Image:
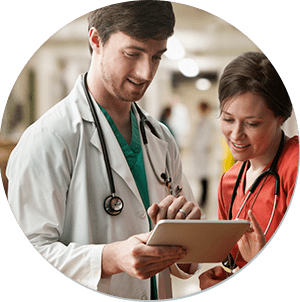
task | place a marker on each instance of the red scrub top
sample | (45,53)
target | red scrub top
(287,168)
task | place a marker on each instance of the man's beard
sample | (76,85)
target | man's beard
(113,85)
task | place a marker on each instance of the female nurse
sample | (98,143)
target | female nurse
(253,106)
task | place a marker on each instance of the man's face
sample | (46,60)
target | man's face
(128,66)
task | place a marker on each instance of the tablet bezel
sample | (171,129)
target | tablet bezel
(206,241)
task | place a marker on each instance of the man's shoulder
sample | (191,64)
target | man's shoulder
(60,125)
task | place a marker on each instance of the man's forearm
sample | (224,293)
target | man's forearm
(109,263)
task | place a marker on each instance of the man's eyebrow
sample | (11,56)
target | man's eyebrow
(162,51)
(144,50)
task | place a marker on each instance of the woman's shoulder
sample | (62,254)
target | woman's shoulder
(292,146)
(234,170)
(228,178)
(288,162)
(291,149)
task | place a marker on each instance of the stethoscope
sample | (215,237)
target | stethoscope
(271,171)
(113,204)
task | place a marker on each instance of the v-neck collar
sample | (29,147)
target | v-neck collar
(243,179)
(135,144)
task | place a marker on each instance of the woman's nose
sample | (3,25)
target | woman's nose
(237,132)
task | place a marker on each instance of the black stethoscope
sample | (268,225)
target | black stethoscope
(113,204)
(271,171)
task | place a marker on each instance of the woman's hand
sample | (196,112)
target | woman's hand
(252,241)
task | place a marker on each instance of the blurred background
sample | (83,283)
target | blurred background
(183,95)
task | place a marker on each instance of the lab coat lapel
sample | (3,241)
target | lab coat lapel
(116,156)
(117,159)
(156,154)
(86,113)
(155,158)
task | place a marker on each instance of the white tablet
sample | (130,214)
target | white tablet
(206,241)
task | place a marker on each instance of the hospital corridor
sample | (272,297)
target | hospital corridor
(183,96)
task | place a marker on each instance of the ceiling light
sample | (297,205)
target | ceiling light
(175,50)
(188,67)
(203,84)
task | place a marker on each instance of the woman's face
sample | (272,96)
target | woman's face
(250,128)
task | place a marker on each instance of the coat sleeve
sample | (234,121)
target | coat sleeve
(39,173)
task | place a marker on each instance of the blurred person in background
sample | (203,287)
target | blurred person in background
(203,143)
(165,117)
(180,122)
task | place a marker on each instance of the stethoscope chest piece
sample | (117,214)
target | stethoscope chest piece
(113,205)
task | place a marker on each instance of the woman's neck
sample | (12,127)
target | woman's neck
(260,162)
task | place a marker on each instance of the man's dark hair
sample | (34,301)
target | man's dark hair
(142,20)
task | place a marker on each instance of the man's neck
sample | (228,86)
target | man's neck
(117,109)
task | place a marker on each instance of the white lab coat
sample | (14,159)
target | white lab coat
(58,183)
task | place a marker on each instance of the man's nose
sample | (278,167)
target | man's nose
(145,69)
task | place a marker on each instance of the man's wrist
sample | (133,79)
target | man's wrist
(109,262)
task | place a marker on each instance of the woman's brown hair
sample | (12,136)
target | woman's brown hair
(253,72)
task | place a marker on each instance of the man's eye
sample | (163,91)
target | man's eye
(157,58)
(131,54)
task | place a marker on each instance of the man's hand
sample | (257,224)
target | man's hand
(212,277)
(137,259)
(174,208)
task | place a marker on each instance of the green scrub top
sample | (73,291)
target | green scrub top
(134,156)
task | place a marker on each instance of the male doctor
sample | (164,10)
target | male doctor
(57,175)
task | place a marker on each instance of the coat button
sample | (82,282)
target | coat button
(142,214)
(144,297)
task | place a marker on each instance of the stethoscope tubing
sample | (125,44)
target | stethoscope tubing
(101,137)
(270,171)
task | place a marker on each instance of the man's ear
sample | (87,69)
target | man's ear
(94,39)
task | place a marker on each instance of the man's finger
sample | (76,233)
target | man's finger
(163,207)
(152,212)
(163,252)
(174,207)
